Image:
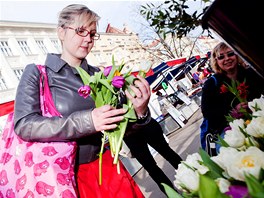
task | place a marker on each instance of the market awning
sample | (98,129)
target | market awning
(6,108)
(162,67)
(177,72)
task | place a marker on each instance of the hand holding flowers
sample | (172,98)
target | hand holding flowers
(110,90)
(240,92)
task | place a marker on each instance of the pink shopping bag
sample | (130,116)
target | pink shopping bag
(36,169)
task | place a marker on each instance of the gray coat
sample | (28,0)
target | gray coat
(76,123)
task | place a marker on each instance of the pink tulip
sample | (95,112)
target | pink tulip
(84,91)
(107,70)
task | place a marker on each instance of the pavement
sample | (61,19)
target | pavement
(184,141)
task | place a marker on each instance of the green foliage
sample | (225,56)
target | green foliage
(208,188)
(215,170)
(170,192)
(172,17)
(255,186)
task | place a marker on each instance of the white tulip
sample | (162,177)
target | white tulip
(234,137)
(256,127)
(223,184)
(238,163)
(224,157)
(193,160)
(186,178)
(259,102)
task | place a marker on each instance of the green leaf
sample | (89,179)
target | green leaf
(142,73)
(120,136)
(130,79)
(255,188)
(99,101)
(130,114)
(221,141)
(113,70)
(170,192)
(215,170)
(84,75)
(107,85)
(96,77)
(208,188)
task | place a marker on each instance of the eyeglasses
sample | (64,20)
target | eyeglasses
(228,54)
(83,32)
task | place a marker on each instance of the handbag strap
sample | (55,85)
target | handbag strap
(215,80)
(46,102)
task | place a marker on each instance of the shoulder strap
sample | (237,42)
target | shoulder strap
(47,104)
(214,79)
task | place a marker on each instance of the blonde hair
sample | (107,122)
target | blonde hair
(215,52)
(70,13)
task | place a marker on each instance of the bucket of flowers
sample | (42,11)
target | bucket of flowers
(238,169)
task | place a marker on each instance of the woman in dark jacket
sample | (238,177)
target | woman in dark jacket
(217,104)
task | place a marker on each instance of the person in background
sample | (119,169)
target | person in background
(152,134)
(195,76)
(162,102)
(80,121)
(160,97)
(215,104)
(181,89)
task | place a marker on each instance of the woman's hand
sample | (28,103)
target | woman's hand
(106,117)
(141,97)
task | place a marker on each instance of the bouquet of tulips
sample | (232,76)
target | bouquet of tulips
(107,87)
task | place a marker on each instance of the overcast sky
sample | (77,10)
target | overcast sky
(117,13)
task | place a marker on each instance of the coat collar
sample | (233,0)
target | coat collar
(55,63)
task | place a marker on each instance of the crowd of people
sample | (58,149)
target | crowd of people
(83,122)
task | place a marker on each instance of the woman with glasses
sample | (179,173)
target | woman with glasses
(80,121)
(216,104)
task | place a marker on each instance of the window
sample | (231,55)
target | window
(18,73)
(2,83)
(5,49)
(42,46)
(25,48)
(57,45)
(99,57)
(110,41)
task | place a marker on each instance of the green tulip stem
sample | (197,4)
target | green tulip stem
(101,159)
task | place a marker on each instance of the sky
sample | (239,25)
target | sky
(117,13)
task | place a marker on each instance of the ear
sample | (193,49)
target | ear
(61,33)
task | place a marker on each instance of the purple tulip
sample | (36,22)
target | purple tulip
(118,81)
(237,191)
(227,128)
(107,70)
(84,91)
(236,114)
